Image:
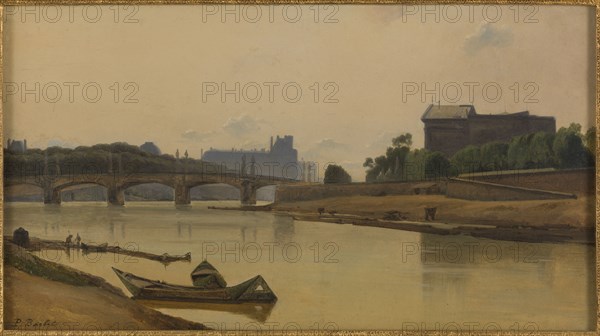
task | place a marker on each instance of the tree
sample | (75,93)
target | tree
(540,150)
(403,140)
(590,144)
(494,156)
(436,166)
(569,149)
(519,153)
(336,174)
(414,166)
(467,160)
(389,167)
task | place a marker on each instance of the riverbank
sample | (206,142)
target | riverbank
(42,295)
(570,220)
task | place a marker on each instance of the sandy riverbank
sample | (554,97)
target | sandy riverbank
(571,220)
(41,295)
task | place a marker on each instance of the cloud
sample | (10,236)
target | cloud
(488,35)
(381,142)
(242,125)
(330,144)
(327,149)
(194,135)
(252,144)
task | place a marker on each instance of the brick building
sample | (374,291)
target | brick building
(449,128)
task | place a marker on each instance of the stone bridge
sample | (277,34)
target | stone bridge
(116,183)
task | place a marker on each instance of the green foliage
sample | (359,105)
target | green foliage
(100,158)
(590,144)
(391,166)
(436,166)
(336,174)
(531,151)
(541,150)
(569,149)
(400,163)
(414,165)
(494,156)
(467,159)
(404,140)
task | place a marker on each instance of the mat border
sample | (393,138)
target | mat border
(594,3)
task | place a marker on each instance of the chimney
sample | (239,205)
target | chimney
(25,145)
(271,148)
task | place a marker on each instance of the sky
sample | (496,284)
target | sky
(343,80)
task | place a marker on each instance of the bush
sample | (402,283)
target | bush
(336,174)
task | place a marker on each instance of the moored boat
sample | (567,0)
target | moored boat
(206,275)
(252,290)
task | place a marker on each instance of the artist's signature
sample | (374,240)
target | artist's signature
(29,324)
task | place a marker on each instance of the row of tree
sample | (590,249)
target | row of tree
(117,157)
(401,163)
(567,148)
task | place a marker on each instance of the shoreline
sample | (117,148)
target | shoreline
(538,221)
(79,301)
(528,234)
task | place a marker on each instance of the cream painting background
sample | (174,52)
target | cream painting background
(370,53)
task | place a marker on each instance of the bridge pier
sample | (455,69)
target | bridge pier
(116,196)
(248,193)
(182,194)
(51,195)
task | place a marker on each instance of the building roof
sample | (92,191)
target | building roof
(436,111)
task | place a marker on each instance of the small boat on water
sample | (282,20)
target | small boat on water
(209,286)
(165,257)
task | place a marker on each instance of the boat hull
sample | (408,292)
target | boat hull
(252,290)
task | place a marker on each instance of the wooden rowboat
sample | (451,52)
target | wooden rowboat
(252,290)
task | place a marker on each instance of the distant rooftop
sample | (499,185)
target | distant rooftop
(436,111)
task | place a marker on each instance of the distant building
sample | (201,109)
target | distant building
(17,146)
(449,128)
(281,160)
(150,147)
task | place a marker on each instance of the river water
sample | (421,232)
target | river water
(330,276)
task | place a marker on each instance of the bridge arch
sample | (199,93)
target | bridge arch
(117,183)
(141,191)
(70,184)
(19,192)
(72,192)
(214,191)
(9,183)
(266,192)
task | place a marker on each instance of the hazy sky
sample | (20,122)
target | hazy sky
(371,63)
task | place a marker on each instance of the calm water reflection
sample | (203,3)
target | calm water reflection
(332,276)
